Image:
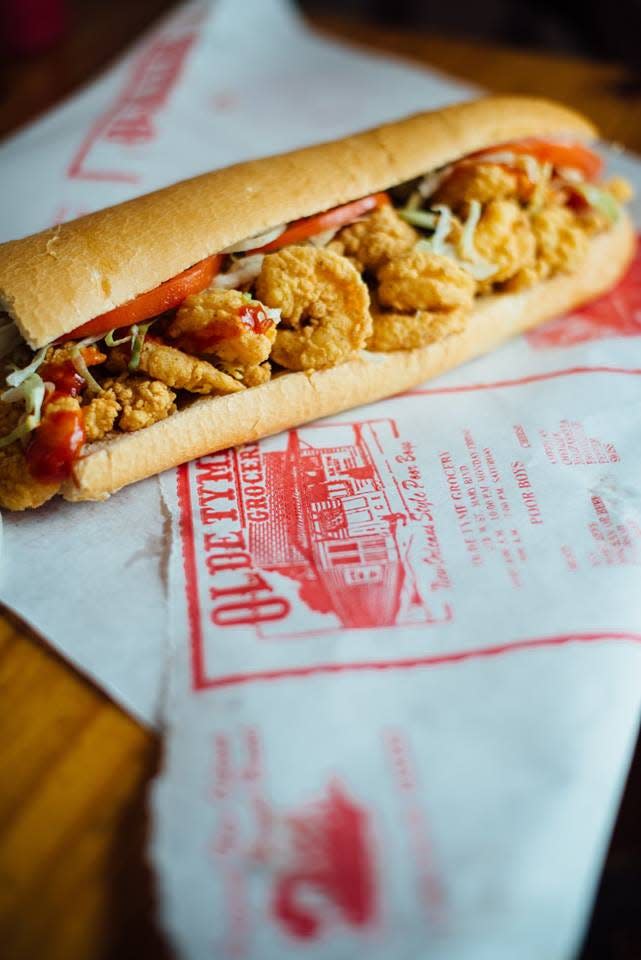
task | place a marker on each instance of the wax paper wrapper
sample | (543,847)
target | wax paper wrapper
(210,85)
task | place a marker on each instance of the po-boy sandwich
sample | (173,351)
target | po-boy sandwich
(255,298)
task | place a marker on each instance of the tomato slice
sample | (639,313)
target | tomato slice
(168,295)
(328,220)
(559,154)
(172,293)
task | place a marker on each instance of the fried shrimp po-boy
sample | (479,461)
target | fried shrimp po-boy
(256,298)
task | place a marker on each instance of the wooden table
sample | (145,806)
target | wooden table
(74,769)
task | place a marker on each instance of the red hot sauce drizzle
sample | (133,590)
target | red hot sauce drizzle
(66,380)
(253,317)
(57,443)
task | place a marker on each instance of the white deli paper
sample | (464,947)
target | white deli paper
(207,87)
(407,661)
(404,672)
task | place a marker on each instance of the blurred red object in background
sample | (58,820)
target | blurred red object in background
(31,26)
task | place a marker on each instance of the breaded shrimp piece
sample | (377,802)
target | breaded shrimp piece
(176,369)
(324,305)
(254,376)
(561,245)
(504,239)
(100,415)
(429,297)
(251,376)
(420,280)
(407,331)
(476,181)
(226,324)
(379,237)
(63,354)
(18,489)
(141,401)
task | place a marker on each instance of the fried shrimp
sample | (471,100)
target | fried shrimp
(68,351)
(140,402)
(420,280)
(324,305)
(225,324)
(18,489)
(100,415)
(177,369)
(477,181)
(429,297)
(251,376)
(504,239)
(407,331)
(560,245)
(370,242)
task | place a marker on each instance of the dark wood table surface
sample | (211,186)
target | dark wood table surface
(74,769)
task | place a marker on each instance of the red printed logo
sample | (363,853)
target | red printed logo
(617,314)
(130,120)
(331,868)
(335,531)
(332,509)
(320,530)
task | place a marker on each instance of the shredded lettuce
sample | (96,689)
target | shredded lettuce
(80,366)
(32,392)
(414,202)
(480,271)
(19,376)
(499,156)
(571,174)
(273,314)
(258,241)
(418,218)
(430,183)
(601,200)
(245,271)
(467,248)
(532,167)
(323,238)
(443,228)
(139,332)
(111,342)
(470,260)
